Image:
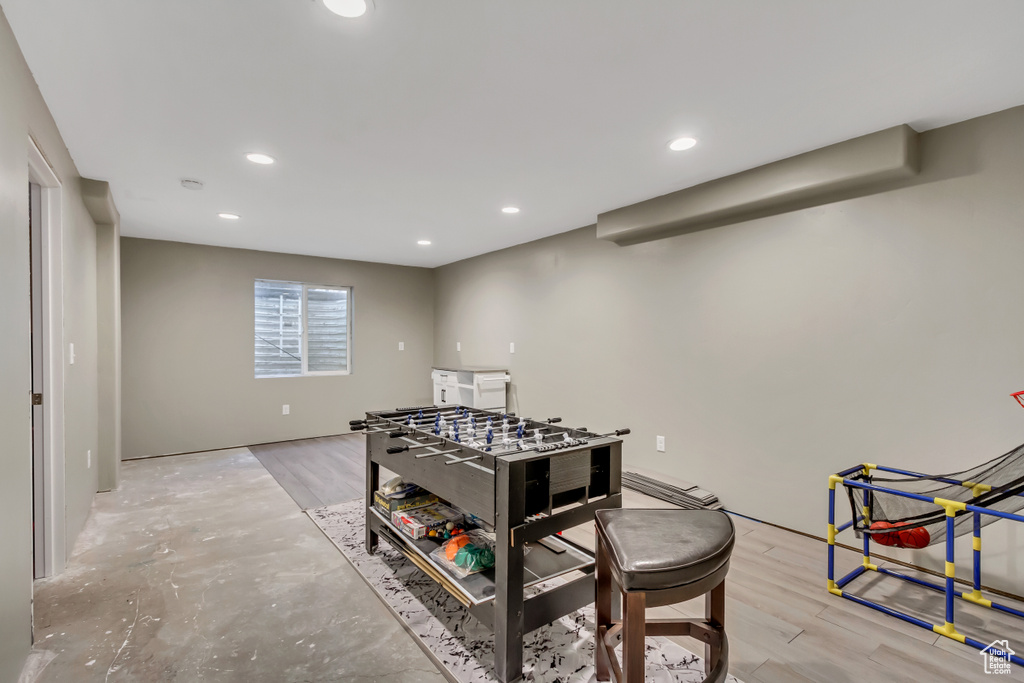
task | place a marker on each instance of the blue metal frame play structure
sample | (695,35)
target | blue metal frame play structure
(953,509)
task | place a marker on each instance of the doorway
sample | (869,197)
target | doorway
(47,350)
(35,250)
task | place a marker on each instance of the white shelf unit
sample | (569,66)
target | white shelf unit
(483,389)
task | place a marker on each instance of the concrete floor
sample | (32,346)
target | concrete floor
(202,568)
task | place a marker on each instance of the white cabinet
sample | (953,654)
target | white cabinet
(475,388)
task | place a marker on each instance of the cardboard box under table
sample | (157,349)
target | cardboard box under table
(419,522)
(388,505)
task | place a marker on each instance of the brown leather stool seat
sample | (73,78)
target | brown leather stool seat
(661,557)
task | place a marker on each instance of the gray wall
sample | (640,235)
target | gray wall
(108,289)
(771,353)
(23,113)
(187,326)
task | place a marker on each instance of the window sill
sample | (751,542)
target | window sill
(343,373)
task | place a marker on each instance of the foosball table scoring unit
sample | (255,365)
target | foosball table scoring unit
(532,480)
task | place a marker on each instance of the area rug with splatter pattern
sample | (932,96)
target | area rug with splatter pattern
(561,652)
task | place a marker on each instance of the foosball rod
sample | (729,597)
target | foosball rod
(504,435)
(400,449)
(449,411)
(420,424)
(481,423)
(377,424)
(376,419)
(481,414)
(427,421)
(585,440)
(474,438)
(370,427)
(569,430)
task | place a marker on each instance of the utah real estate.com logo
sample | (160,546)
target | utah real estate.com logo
(997,657)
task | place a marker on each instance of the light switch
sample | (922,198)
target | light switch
(286,409)
(88,459)
(71,353)
(661,444)
(458,346)
(511,347)
(401,346)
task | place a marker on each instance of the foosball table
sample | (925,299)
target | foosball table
(529,479)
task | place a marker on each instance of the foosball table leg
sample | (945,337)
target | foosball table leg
(372,484)
(510,480)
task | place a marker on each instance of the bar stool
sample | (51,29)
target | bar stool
(661,557)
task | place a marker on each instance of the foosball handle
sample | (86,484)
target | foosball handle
(554,420)
(622,432)
(397,449)
(353,423)
(357,427)
(396,434)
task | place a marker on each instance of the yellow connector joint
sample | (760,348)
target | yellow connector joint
(950,570)
(833,480)
(975,597)
(949,631)
(869,565)
(836,591)
(952,506)
(868,467)
(831,534)
(977,543)
(976,488)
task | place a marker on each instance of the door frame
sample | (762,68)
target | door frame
(52,247)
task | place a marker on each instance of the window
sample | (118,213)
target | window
(301,329)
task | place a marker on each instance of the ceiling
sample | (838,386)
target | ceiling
(422,119)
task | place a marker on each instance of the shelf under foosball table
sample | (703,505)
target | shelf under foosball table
(540,563)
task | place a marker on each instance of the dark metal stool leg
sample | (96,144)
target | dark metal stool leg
(603,601)
(633,647)
(714,612)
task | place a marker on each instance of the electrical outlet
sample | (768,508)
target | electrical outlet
(401,346)
(88,459)
(511,347)
(458,346)
(286,409)
(661,444)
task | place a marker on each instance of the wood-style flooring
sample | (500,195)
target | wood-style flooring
(783,626)
(317,472)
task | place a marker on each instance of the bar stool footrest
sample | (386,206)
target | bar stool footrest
(607,639)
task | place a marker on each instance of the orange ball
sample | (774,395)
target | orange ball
(884,539)
(915,537)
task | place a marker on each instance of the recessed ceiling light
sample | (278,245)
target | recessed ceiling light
(229,216)
(679,144)
(424,243)
(258,158)
(347,8)
(510,209)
